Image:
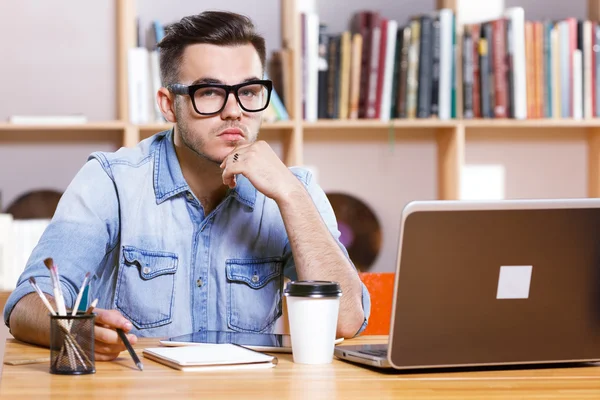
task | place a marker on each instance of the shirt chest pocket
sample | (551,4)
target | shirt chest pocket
(254,293)
(145,287)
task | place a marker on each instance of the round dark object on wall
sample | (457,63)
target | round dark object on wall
(359,227)
(35,204)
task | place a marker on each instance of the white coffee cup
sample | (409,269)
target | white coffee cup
(313,308)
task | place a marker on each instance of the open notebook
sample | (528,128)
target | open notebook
(208,356)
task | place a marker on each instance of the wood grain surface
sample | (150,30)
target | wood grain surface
(121,379)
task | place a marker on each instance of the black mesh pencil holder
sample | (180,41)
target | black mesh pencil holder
(72,344)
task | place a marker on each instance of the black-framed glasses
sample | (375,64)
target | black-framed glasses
(210,98)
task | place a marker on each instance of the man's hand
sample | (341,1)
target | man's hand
(259,163)
(108,345)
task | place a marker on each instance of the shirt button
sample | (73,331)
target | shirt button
(146,270)
(255,278)
(199,282)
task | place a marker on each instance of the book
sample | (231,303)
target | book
(208,356)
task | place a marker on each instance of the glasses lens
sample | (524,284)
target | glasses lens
(254,96)
(209,99)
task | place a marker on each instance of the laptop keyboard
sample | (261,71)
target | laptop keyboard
(376,353)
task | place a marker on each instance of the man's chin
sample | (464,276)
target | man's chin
(234,142)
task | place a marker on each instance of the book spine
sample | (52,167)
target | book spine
(383,38)
(413,70)
(323,71)
(355,71)
(489,34)
(388,71)
(484,80)
(361,25)
(374,66)
(425,67)
(446,57)
(435,67)
(516,15)
(548,70)
(331,75)
(395,88)
(510,63)
(577,85)
(530,69)
(476,71)
(555,48)
(539,69)
(565,70)
(344,75)
(499,60)
(403,80)
(587,70)
(467,58)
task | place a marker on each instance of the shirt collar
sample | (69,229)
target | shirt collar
(169,180)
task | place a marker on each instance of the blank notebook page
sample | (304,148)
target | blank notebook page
(209,354)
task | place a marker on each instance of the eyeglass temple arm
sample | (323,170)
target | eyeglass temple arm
(178,88)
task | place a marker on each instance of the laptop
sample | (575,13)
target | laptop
(481,283)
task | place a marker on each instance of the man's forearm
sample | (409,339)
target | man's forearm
(29,320)
(318,257)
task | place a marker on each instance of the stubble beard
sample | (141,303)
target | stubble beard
(196,143)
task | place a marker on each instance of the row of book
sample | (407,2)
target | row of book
(510,68)
(378,69)
(143,76)
(515,68)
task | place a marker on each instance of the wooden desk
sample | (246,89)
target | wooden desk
(120,379)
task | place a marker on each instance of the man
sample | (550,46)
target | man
(194,228)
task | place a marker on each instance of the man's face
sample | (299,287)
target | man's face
(214,137)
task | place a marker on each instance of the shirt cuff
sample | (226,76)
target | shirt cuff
(366,304)
(24,288)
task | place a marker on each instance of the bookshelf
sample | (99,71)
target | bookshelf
(450,136)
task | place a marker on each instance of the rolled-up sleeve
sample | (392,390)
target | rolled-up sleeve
(83,228)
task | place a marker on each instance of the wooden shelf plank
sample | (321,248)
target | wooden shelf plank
(334,124)
(154,127)
(91,126)
(377,124)
(277,125)
(531,123)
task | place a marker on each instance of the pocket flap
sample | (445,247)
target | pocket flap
(254,272)
(150,263)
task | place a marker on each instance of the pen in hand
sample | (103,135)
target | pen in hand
(132,353)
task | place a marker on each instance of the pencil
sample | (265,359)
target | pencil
(136,360)
(80,294)
(91,307)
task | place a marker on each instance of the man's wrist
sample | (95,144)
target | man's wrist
(291,195)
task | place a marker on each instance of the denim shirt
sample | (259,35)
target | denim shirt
(130,219)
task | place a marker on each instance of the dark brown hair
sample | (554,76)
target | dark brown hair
(212,27)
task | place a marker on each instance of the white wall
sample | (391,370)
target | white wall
(59,57)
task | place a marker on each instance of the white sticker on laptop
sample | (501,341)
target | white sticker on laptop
(514,282)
